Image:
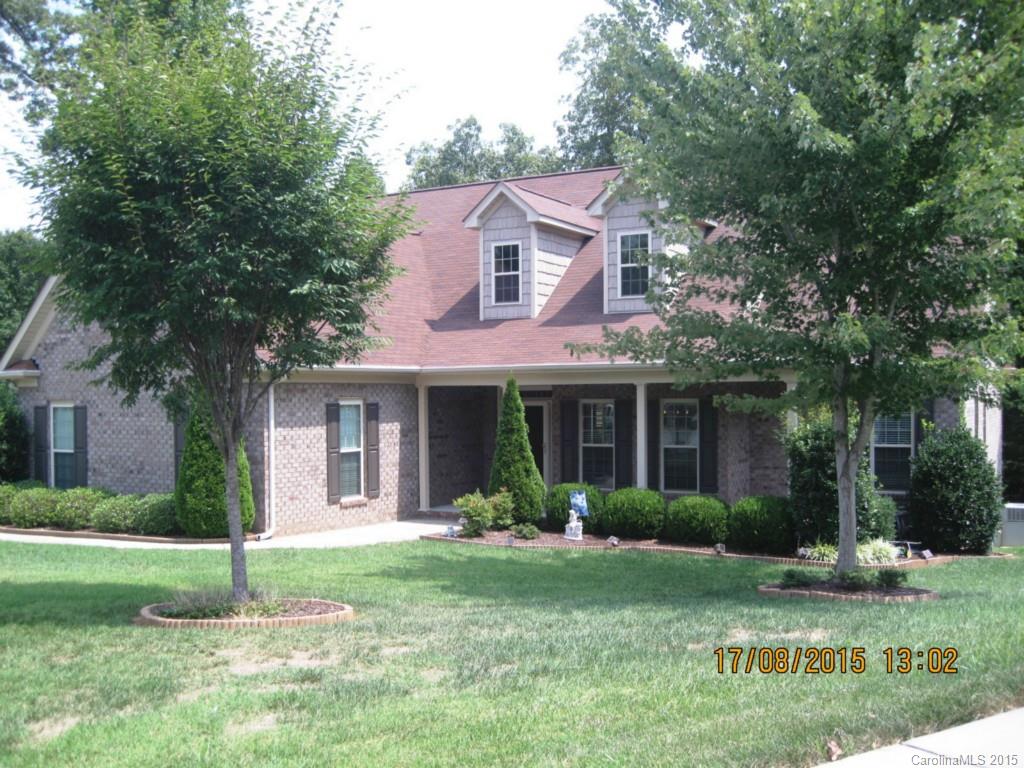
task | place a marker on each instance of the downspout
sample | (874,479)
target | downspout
(271,514)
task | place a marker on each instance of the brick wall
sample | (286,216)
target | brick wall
(300,494)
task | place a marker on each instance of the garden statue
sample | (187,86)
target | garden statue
(574,530)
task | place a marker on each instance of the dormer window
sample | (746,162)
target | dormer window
(507,271)
(634,276)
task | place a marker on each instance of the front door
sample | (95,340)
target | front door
(537,429)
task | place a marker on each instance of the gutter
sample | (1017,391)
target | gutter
(271,511)
(15,375)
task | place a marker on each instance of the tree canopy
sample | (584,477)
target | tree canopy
(21,253)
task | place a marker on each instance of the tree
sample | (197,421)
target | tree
(513,467)
(869,153)
(13,437)
(20,254)
(465,157)
(36,43)
(212,211)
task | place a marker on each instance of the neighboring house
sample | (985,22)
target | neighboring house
(497,278)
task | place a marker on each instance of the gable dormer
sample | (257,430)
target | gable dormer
(527,241)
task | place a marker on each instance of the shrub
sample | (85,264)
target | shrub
(955,495)
(199,497)
(556,507)
(75,506)
(7,494)
(117,514)
(697,519)
(525,531)
(795,578)
(822,552)
(33,508)
(634,512)
(762,524)
(891,578)
(876,552)
(513,467)
(857,580)
(477,511)
(814,498)
(156,515)
(13,436)
(24,485)
(502,509)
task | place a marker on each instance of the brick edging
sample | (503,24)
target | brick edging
(772,590)
(63,534)
(149,617)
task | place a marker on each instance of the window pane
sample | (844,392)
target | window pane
(598,423)
(63,470)
(506,258)
(893,430)
(633,248)
(892,466)
(351,429)
(351,477)
(599,466)
(679,424)
(681,469)
(634,281)
(64,429)
(506,289)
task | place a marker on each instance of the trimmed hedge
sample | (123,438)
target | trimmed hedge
(762,524)
(74,508)
(955,495)
(117,514)
(156,515)
(637,513)
(7,494)
(513,468)
(697,520)
(556,507)
(34,508)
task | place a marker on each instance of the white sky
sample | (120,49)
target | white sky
(434,61)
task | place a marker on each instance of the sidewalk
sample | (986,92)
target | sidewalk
(996,740)
(357,536)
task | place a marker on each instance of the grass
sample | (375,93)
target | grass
(471,656)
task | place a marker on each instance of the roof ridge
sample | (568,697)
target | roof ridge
(507,179)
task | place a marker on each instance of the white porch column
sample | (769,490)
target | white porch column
(423,434)
(641,435)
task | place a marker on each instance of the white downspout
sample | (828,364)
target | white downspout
(271,513)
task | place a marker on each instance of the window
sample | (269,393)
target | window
(892,446)
(597,443)
(62,446)
(507,274)
(680,441)
(633,276)
(350,450)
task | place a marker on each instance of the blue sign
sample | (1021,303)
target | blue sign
(578,501)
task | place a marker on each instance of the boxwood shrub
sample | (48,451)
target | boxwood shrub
(762,524)
(34,508)
(117,514)
(7,494)
(156,515)
(74,507)
(556,507)
(697,520)
(637,513)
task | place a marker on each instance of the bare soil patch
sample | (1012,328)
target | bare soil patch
(52,727)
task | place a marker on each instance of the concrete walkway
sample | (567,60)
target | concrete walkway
(996,740)
(357,536)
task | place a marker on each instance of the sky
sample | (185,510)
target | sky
(432,63)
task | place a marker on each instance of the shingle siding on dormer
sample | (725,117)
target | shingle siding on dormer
(555,252)
(626,216)
(507,224)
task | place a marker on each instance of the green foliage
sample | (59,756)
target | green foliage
(857,580)
(875,552)
(74,507)
(800,578)
(200,496)
(525,531)
(637,513)
(762,524)
(697,520)
(823,552)
(502,509)
(20,253)
(477,512)
(7,494)
(156,515)
(955,494)
(13,436)
(513,467)
(23,485)
(34,508)
(556,507)
(814,496)
(891,578)
(466,157)
(117,514)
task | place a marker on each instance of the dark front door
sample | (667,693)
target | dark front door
(535,428)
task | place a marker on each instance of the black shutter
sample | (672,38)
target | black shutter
(708,459)
(570,427)
(927,413)
(41,443)
(624,443)
(654,444)
(180,425)
(81,447)
(333,453)
(372,450)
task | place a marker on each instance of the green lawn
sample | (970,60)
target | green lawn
(475,656)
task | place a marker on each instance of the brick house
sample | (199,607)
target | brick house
(497,277)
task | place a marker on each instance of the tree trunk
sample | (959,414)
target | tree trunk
(848,458)
(239,574)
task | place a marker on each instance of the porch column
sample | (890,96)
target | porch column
(423,435)
(641,435)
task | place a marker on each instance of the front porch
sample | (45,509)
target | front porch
(611,434)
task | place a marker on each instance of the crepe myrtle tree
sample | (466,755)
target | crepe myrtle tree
(868,156)
(212,211)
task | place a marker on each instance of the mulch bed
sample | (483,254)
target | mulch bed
(827,591)
(296,613)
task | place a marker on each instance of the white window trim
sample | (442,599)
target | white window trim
(361,450)
(51,477)
(911,446)
(618,259)
(597,401)
(662,446)
(494,274)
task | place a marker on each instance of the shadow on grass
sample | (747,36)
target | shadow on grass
(74,603)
